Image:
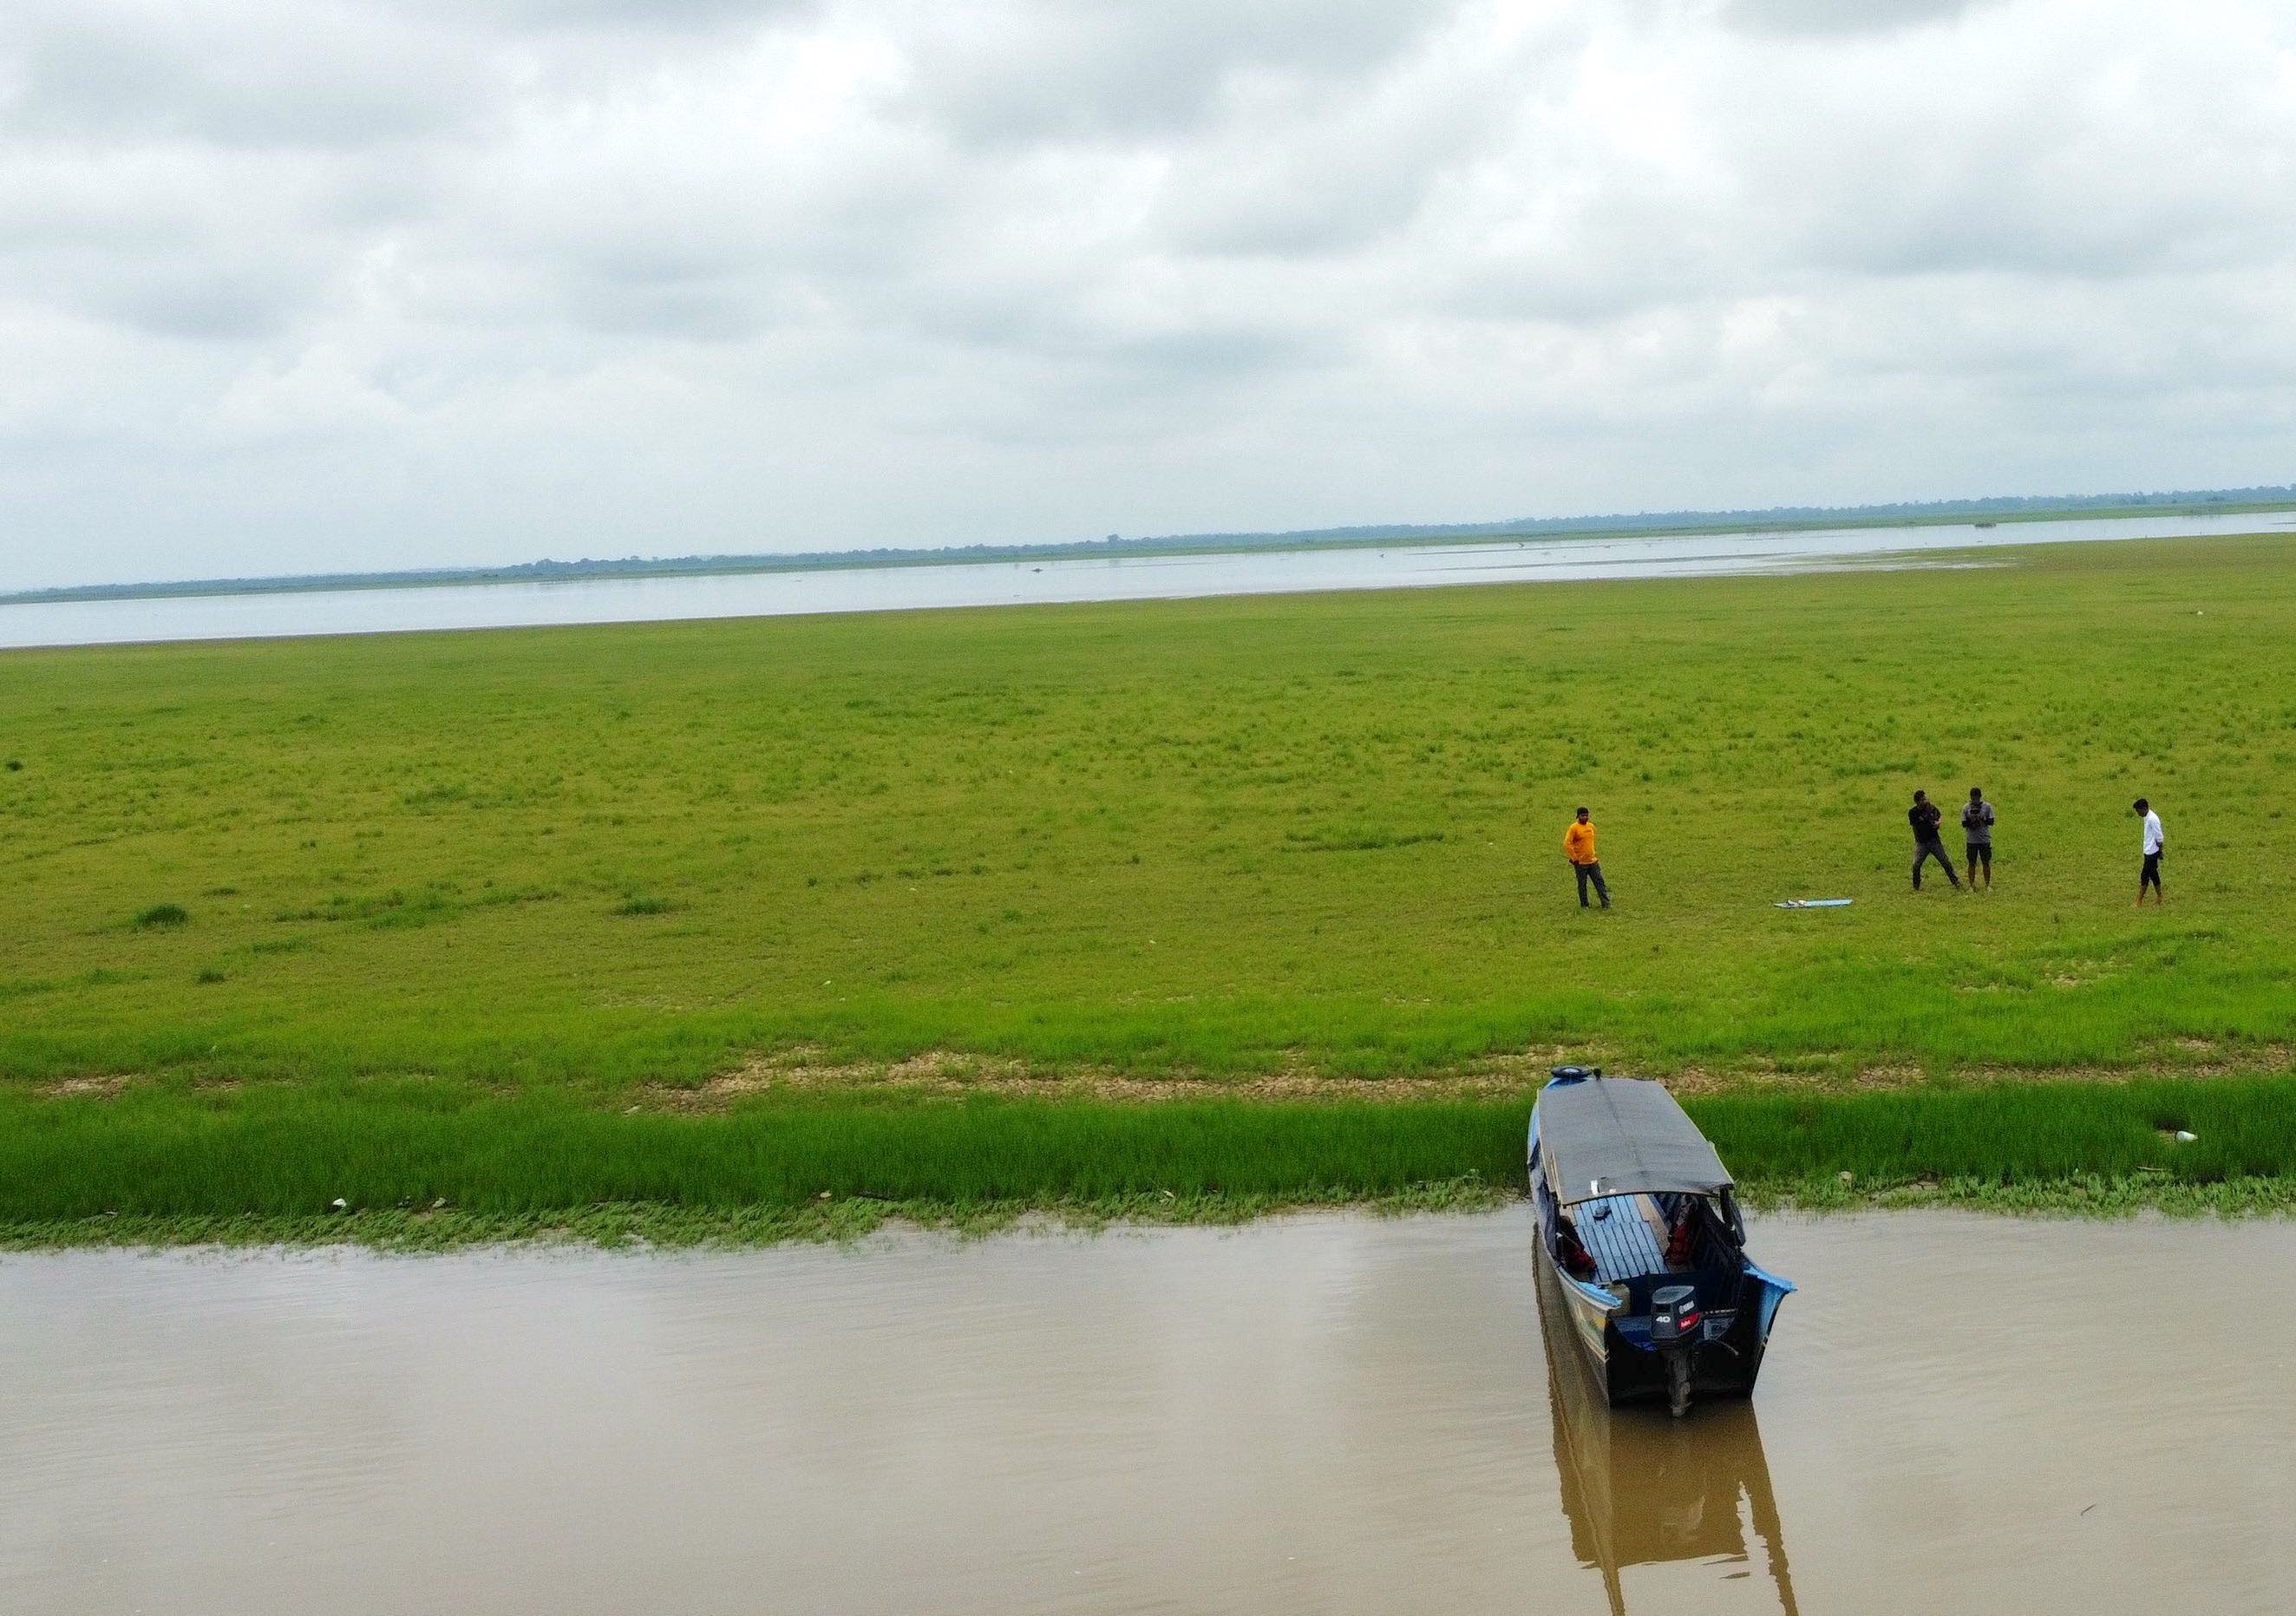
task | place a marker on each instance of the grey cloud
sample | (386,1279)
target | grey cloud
(206,303)
(1824,17)
(2051,163)
(234,74)
(640,16)
(1015,71)
(1354,170)
(166,244)
(696,308)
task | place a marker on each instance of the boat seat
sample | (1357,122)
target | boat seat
(1624,1244)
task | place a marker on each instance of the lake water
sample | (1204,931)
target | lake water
(1026,583)
(1326,1414)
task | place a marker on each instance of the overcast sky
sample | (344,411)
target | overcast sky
(289,285)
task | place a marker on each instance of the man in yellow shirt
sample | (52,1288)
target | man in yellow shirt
(1578,848)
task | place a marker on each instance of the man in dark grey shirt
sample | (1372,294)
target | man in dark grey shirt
(1977,834)
(1925,816)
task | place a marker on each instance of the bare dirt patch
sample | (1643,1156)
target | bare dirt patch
(102,1088)
(951,1075)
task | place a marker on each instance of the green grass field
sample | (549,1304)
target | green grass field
(580,869)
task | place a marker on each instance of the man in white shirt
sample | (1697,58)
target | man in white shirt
(2155,839)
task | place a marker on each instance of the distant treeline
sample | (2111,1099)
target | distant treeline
(2012,507)
(2002,508)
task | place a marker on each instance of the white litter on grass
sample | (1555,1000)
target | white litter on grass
(2185,1138)
(1816,903)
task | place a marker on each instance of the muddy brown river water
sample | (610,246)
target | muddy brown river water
(1328,1413)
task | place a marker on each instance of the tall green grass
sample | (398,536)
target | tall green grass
(2011,1133)
(295,1149)
(291,1151)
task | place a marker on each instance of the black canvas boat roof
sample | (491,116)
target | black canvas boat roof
(1623,1136)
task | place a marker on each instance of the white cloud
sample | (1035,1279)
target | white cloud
(355,283)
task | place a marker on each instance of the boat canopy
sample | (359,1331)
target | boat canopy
(1623,1136)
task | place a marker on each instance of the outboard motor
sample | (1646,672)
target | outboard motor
(1675,1330)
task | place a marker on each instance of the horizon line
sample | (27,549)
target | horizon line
(1937,512)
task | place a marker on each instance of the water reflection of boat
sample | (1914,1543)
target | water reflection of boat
(1640,1231)
(1639,1489)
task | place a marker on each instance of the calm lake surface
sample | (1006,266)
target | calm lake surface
(1024,583)
(1329,1413)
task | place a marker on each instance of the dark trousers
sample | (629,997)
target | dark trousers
(1594,873)
(2149,876)
(1924,851)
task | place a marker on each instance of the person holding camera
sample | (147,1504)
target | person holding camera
(1925,816)
(1976,836)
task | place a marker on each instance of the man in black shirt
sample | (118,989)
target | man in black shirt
(1925,818)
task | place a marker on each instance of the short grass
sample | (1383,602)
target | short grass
(411,918)
(1316,833)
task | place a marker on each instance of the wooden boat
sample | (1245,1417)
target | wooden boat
(1638,1225)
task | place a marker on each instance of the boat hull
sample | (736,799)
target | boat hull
(1725,1364)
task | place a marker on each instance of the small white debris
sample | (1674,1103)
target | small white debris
(2185,1138)
(1847,1177)
(340,1204)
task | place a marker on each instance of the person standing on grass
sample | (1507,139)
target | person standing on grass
(1977,833)
(2156,841)
(1578,848)
(1925,816)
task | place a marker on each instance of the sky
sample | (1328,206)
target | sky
(303,286)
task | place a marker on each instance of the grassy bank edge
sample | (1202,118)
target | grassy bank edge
(418,1166)
(659,1227)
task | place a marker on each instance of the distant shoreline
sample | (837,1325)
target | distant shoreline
(1977,512)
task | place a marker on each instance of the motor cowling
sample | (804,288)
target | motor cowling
(1675,1316)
